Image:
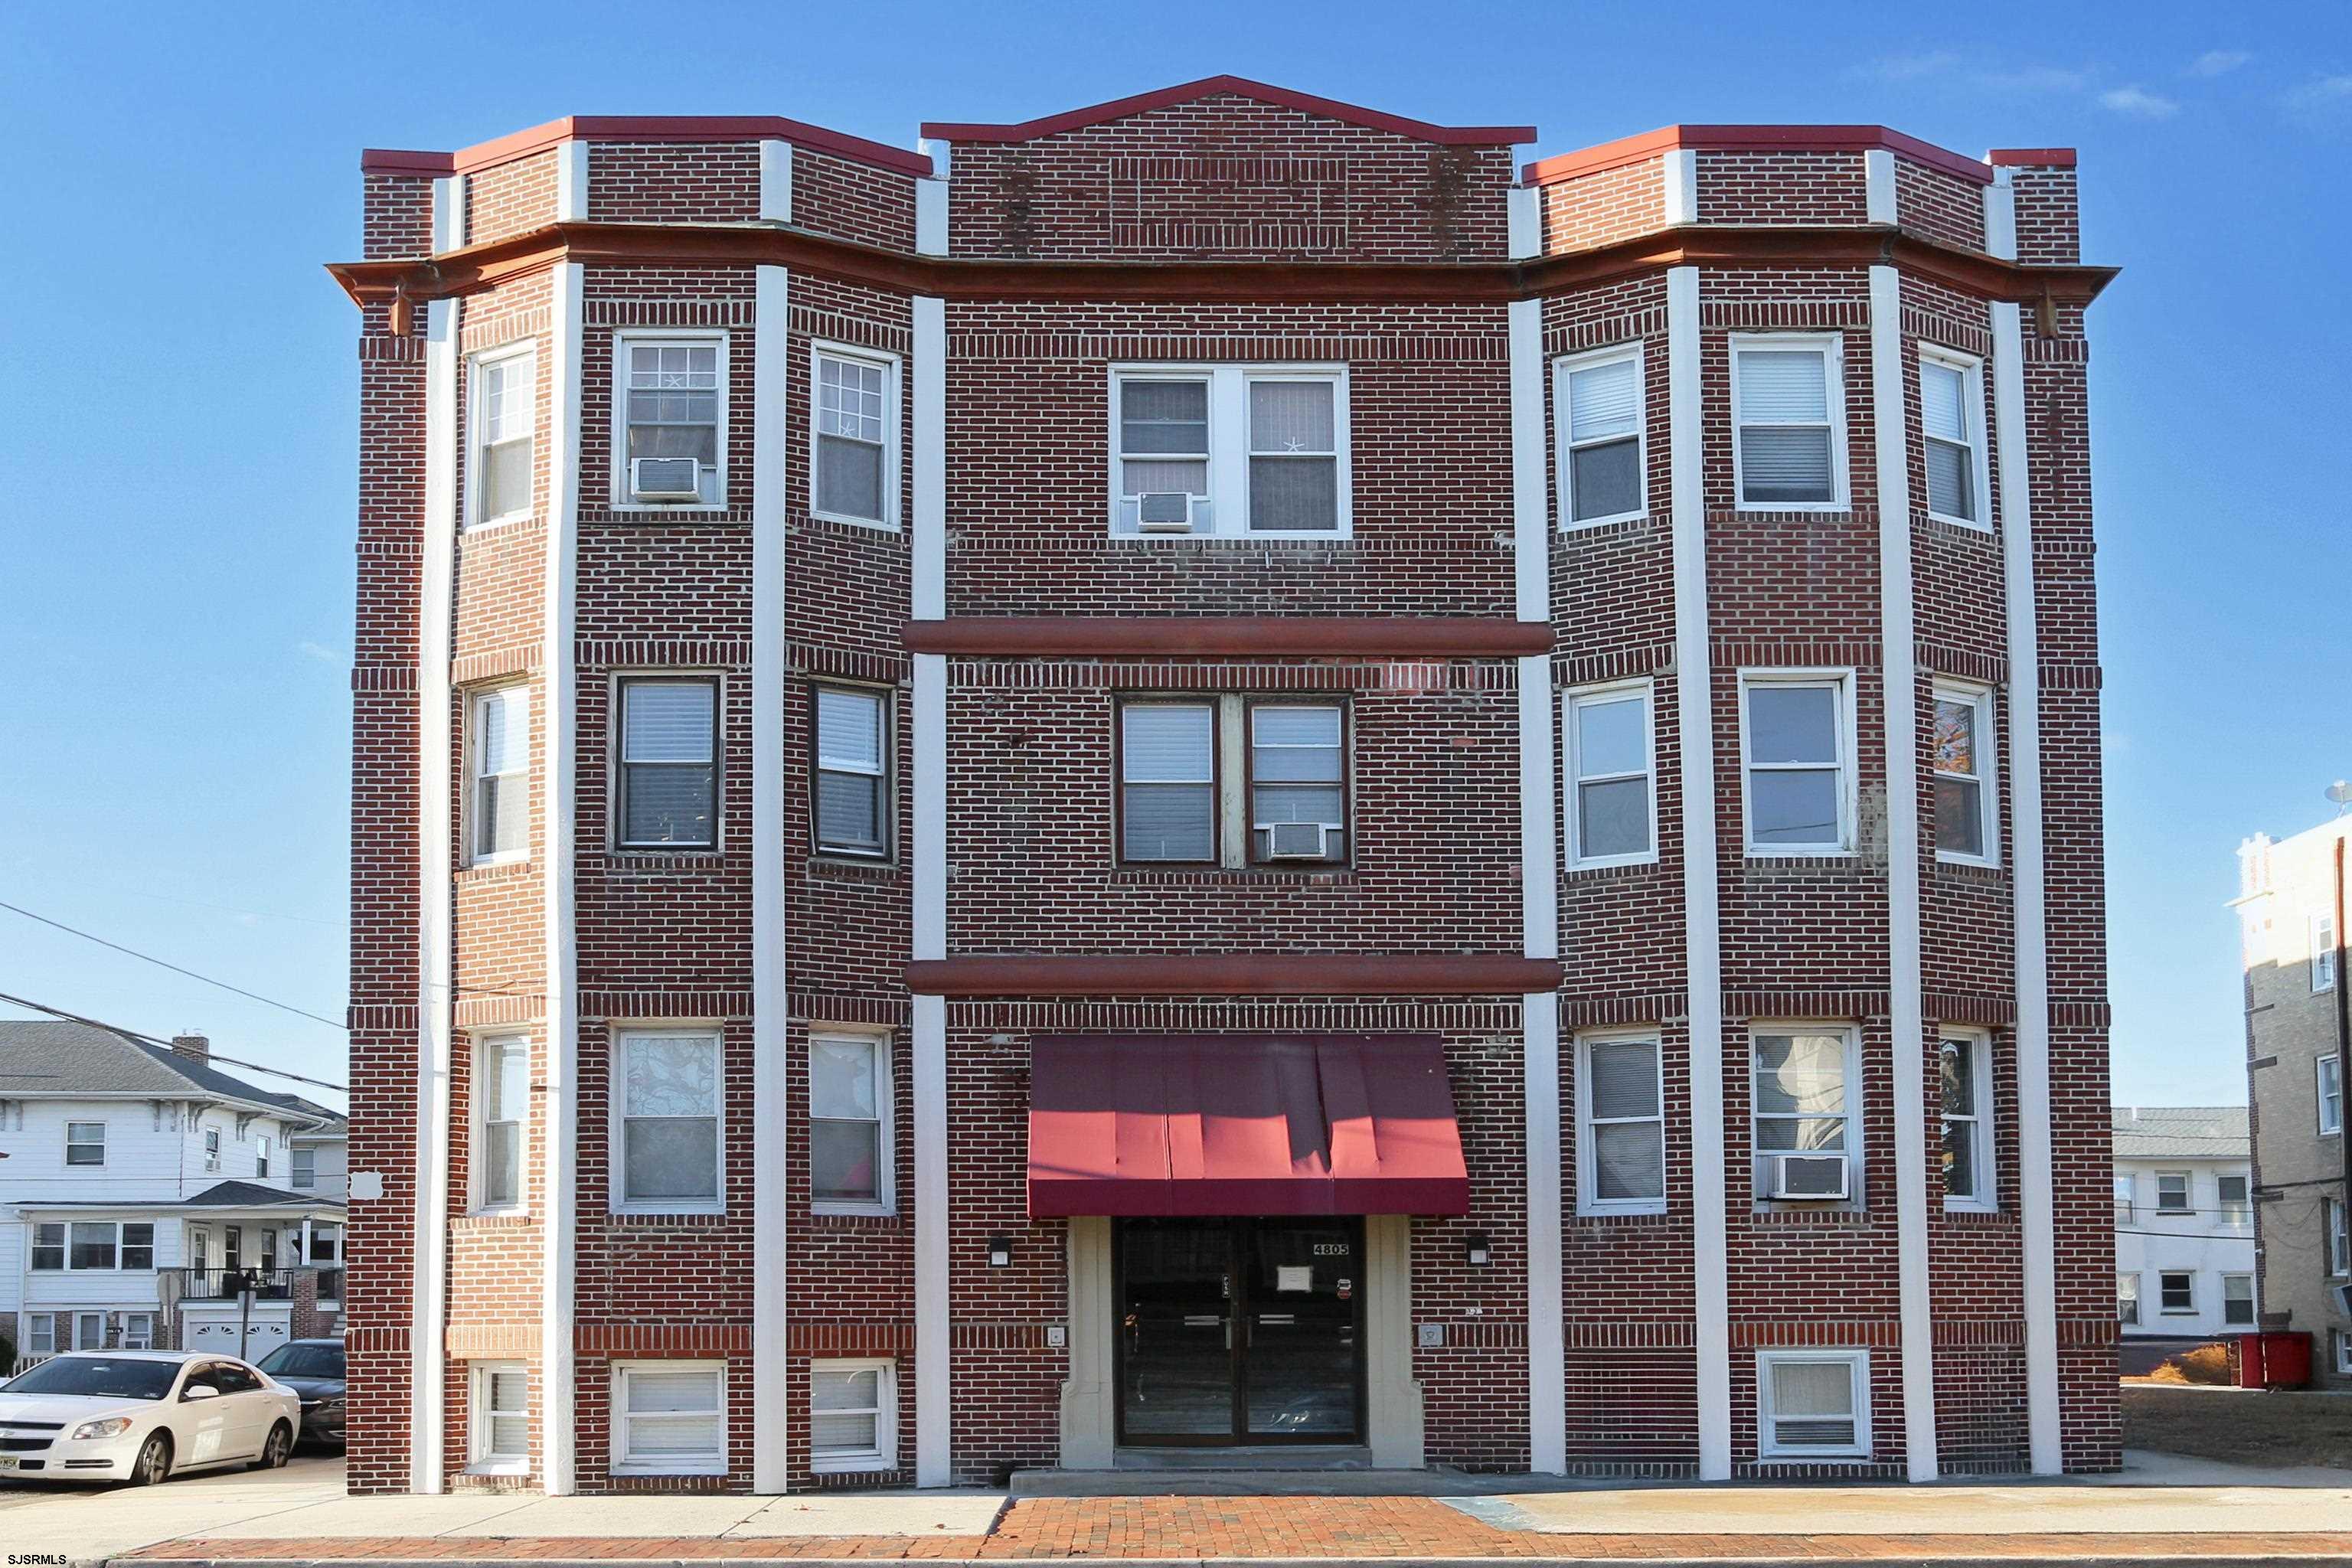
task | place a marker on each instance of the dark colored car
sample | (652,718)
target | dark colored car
(313,1369)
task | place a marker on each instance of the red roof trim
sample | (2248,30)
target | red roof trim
(1753,139)
(1282,96)
(646,128)
(2032,157)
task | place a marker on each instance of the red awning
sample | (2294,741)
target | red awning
(1242,1124)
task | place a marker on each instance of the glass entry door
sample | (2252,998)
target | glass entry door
(1241,1331)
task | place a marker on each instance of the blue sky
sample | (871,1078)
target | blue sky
(178,410)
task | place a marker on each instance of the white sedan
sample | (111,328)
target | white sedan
(140,1415)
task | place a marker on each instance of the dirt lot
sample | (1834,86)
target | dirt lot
(2244,1428)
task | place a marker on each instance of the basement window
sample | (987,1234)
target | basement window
(1812,1405)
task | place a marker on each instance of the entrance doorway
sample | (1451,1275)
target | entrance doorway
(1240,1331)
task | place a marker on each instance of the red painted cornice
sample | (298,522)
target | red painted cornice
(1756,139)
(1235,975)
(1281,96)
(645,128)
(1325,637)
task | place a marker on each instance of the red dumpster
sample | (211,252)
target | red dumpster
(2278,1359)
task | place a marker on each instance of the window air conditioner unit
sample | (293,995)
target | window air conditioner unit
(1170,511)
(1809,1176)
(666,479)
(1299,840)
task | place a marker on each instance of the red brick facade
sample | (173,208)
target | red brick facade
(1289,213)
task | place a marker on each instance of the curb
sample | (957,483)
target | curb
(1564,1560)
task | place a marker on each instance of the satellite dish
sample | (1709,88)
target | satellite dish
(2341,794)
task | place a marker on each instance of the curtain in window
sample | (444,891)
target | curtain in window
(1784,436)
(852,397)
(1812,1403)
(1801,1097)
(670,1141)
(1959,1087)
(673,401)
(506,1093)
(502,770)
(1294,456)
(508,1427)
(1629,1156)
(674,1414)
(669,780)
(1167,760)
(845,1406)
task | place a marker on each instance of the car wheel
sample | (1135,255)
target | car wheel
(154,1461)
(274,1452)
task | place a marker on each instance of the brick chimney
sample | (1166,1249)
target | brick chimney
(195,1046)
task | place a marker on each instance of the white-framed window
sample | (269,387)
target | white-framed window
(1812,1404)
(1805,1099)
(1951,420)
(1230,449)
(1297,782)
(89,1330)
(852,1414)
(2329,1087)
(2323,952)
(2340,1243)
(1967,1056)
(1968,817)
(200,1248)
(2176,1292)
(2127,1297)
(497,800)
(668,1150)
(665,784)
(2236,1203)
(1598,407)
(212,1148)
(85,1142)
(669,1418)
(138,1331)
(1611,796)
(1787,416)
(1797,745)
(40,1333)
(302,1168)
(504,422)
(669,409)
(2172,1192)
(1168,781)
(1621,1126)
(2343,1338)
(851,764)
(849,1124)
(93,1245)
(854,434)
(2127,1198)
(498,1403)
(261,1147)
(501,1107)
(2237,1300)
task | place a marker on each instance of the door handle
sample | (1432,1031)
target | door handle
(1277,1318)
(1202,1320)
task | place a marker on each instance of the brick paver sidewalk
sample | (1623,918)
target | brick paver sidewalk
(1259,1527)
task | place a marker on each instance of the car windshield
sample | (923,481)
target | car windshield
(113,1377)
(305,1361)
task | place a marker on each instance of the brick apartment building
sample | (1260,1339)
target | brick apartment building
(1213,771)
(2291,914)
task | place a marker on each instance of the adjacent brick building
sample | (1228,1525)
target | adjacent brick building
(1215,772)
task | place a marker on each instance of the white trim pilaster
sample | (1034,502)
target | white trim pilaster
(449,213)
(775,182)
(771,1020)
(2036,1203)
(1538,885)
(1898,662)
(1878,186)
(2001,216)
(436,834)
(572,182)
(1679,171)
(559,1431)
(1703,934)
(1523,221)
(933,1416)
(931,217)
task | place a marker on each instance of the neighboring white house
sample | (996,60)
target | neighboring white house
(141,1187)
(2184,1222)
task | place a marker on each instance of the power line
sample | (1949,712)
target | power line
(160,964)
(137,1039)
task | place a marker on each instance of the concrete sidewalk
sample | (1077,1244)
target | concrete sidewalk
(2299,1520)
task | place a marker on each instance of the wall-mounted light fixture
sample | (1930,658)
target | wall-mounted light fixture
(1475,1251)
(999,1252)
